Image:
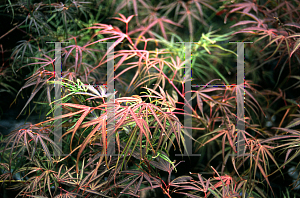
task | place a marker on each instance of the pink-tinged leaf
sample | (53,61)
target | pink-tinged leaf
(211,89)
(204,3)
(239,6)
(199,103)
(157,21)
(246,10)
(296,47)
(78,123)
(162,29)
(87,140)
(293,123)
(296,25)
(78,106)
(123,18)
(287,154)
(215,137)
(242,23)
(253,29)
(293,36)
(265,176)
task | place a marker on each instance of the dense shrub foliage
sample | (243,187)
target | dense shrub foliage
(146,42)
